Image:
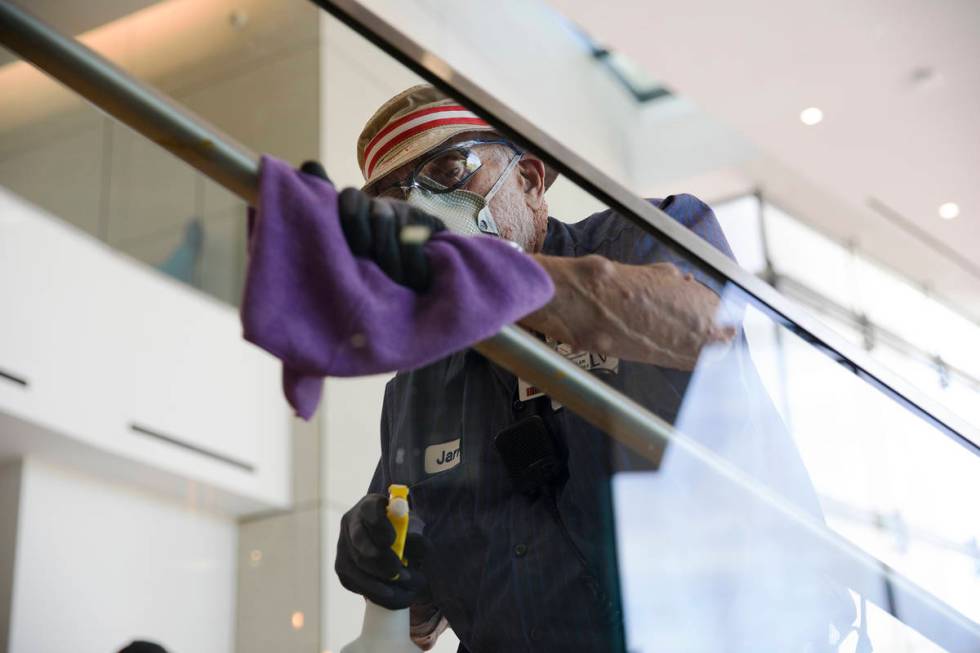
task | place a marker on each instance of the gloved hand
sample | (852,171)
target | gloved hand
(375,228)
(366,564)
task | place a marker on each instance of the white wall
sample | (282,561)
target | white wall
(99,564)
(350,418)
(97,328)
(105,344)
(9,506)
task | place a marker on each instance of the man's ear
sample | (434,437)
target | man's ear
(532,177)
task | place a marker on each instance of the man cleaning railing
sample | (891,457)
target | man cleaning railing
(512,544)
(529,456)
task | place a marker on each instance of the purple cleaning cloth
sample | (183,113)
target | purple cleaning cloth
(324,312)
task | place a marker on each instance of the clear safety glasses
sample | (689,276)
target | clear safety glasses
(445,169)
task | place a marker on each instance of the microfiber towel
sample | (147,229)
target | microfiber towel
(324,312)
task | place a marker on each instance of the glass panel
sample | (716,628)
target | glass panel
(740,220)
(961,396)
(809,258)
(895,304)
(252,71)
(721,543)
(954,337)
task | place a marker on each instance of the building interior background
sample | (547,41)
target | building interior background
(837,145)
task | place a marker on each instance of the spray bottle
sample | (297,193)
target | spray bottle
(384,630)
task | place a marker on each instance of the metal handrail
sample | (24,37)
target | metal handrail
(788,314)
(236,168)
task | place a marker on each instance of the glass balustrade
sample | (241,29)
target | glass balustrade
(801,505)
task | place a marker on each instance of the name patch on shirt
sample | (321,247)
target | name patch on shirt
(584,359)
(440,457)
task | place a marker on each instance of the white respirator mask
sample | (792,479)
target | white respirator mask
(436,186)
(463,211)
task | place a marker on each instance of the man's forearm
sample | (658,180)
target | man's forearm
(647,313)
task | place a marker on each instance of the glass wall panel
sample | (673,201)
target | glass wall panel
(722,540)
(955,337)
(809,258)
(895,303)
(250,69)
(931,350)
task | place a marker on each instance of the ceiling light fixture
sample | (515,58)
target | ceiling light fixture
(949,210)
(811,116)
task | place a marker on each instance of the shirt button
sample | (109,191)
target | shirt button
(518,405)
(520,550)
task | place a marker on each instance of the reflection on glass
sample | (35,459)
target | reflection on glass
(857,452)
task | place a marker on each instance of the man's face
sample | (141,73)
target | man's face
(516,217)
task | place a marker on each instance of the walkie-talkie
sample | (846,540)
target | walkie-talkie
(533,458)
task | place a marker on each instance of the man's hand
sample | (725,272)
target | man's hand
(366,564)
(646,313)
(389,232)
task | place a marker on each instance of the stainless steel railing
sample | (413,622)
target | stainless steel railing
(236,167)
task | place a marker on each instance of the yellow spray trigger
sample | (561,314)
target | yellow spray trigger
(398,516)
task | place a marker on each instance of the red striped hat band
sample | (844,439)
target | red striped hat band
(412,124)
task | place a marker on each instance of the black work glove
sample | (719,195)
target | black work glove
(366,564)
(374,228)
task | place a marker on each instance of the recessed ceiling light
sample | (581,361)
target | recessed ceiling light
(949,210)
(811,116)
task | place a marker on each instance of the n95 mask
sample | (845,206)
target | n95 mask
(464,212)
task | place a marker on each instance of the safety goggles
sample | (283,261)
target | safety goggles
(443,170)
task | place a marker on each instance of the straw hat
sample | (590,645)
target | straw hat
(410,124)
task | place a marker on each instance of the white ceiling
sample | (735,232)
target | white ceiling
(910,144)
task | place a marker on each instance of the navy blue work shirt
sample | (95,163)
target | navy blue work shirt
(511,573)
